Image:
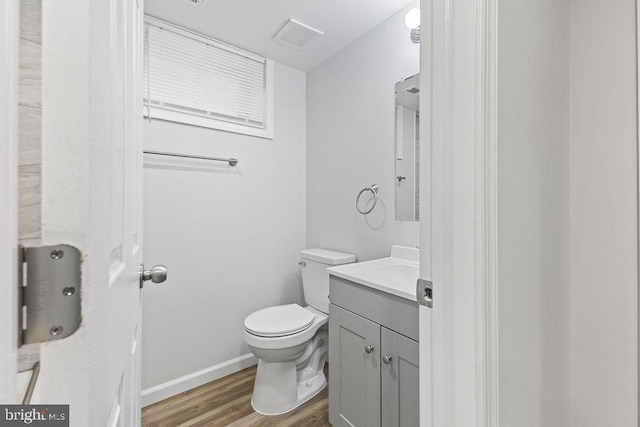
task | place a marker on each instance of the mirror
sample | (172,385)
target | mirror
(407,149)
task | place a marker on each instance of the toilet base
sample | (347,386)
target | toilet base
(283,386)
(269,401)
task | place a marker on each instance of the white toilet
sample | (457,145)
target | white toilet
(291,342)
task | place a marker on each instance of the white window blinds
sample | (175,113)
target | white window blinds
(197,80)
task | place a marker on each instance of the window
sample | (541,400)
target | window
(196,80)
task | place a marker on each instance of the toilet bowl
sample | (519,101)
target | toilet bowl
(291,342)
(289,365)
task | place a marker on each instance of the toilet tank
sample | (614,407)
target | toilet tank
(315,279)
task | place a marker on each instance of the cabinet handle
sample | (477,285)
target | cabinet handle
(368,348)
(386,360)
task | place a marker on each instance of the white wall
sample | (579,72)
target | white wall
(533,212)
(604,233)
(568,244)
(350,142)
(230,237)
(9,18)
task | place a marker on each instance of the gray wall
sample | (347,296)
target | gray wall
(604,233)
(533,212)
(350,142)
(231,238)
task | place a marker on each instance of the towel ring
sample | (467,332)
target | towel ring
(374,190)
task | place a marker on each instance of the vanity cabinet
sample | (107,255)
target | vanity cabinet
(354,373)
(373,357)
(400,380)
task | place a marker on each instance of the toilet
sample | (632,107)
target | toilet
(291,342)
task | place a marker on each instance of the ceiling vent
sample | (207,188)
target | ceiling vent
(297,34)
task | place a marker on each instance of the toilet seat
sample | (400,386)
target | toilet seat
(279,321)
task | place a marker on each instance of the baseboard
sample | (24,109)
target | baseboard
(171,388)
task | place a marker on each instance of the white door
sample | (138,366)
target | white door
(118,194)
(91,199)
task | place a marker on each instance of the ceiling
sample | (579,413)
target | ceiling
(251,24)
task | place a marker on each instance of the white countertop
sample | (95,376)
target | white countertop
(393,275)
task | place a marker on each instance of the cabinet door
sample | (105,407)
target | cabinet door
(354,373)
(400,380)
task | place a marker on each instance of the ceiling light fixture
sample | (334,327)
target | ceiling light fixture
(412,21)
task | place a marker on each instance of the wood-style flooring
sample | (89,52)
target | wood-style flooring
(227,402)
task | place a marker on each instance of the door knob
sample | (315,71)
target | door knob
(386,359)
(157,274)
(368,348)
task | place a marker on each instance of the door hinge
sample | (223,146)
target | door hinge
(424,292)
(48,293)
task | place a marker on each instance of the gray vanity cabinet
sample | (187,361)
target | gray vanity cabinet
(356,399)
(400,380)
(373,358)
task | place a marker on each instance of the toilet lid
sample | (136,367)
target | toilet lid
(279,320)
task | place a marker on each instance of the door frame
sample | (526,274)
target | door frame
(435,94)
(442,255)
(638,169)
(9,26)
(487,214)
